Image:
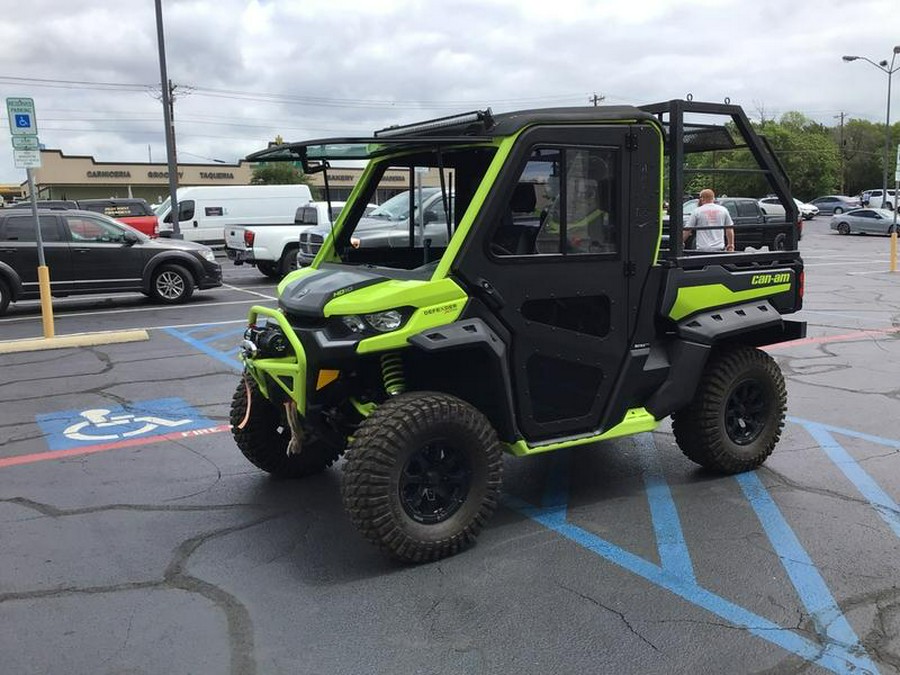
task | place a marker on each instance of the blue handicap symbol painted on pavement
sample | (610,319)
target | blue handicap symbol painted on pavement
(107,424)
(23,121)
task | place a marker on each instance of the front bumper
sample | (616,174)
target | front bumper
(211,278)
(287,372)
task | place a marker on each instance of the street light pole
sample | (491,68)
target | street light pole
(166,87)
(883,66)
(890,70)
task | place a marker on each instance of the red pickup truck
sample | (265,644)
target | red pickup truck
(134,212)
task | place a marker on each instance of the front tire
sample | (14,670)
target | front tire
(4,296)
(263,437)
(422,476)
(172,284)
(735,419)
(843,228)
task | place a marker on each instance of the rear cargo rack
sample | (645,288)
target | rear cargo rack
(685,135)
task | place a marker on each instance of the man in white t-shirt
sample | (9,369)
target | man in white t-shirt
(712,215)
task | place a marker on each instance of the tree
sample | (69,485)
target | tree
(277,173)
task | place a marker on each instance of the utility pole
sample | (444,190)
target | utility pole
(166,86)
(841,116)
(595,99)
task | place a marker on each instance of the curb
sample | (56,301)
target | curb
(76,340)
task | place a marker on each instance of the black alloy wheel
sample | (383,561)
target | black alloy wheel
(746,412)
(435,482)
(843,228)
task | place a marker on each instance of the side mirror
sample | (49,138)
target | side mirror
(130,238)
(430,217)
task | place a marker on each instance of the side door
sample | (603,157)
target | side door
(102,260)
(18,249)
(549,257)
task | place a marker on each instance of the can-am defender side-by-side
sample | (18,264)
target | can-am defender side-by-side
(541,307)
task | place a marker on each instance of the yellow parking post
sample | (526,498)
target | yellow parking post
(46,304)
(894,250)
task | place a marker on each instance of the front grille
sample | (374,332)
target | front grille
(310,243)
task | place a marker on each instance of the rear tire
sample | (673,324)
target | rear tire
(843,228)
(288,261)
(269,269)
(5,296)
(737,414)
(779,243)
(172,284)
(264,438)
(422,476)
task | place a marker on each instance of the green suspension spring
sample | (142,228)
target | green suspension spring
(392,373)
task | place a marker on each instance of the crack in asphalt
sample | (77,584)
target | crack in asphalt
(621,615)
(240,625)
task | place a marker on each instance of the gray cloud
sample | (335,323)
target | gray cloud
(353,67)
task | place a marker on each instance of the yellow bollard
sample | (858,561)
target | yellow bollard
(894,250)
(46,304)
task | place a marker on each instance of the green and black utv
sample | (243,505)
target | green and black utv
(539,304)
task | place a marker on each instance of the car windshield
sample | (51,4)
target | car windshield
(397,207)
(163,208)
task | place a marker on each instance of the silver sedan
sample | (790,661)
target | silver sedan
(865,221)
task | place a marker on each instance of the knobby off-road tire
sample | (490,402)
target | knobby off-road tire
(737,414)
(422,476)
(265,436)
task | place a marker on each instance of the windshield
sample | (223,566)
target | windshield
(435,184)
(163,208)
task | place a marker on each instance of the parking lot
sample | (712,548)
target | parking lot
(137,539)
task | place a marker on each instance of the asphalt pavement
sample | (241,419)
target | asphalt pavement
(137,539)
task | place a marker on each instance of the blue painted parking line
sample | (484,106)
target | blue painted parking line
(838,656)
(823,434)
(228,358)
(673,551)
(68,429)
(828,619)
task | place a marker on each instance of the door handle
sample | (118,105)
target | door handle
(491,295)
(195,223)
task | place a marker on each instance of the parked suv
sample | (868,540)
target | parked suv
(134,212)
(874,199)
(91,253)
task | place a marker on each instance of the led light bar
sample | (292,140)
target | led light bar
(484,116)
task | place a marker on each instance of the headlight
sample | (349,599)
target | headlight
(354,323)
(380,322)
(385,322)
(208,255)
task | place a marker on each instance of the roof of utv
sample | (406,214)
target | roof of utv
(479,125)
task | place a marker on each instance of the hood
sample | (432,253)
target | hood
(173,244)
(309,294)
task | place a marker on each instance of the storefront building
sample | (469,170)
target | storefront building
(77,177)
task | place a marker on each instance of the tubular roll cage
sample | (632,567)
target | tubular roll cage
(671,116)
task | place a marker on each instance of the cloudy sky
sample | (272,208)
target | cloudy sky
(246,70)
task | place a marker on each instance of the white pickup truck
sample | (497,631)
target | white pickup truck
(272,249)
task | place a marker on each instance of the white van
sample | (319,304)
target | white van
(206,210)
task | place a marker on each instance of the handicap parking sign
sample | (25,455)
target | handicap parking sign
(23,121)
(109,424)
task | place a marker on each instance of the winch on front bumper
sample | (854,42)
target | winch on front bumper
(308,361)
